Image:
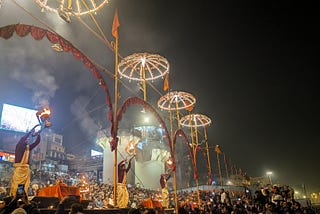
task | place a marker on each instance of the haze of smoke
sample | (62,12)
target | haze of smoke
(39,80)
(86,122)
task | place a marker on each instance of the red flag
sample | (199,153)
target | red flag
(166,82)
(115,25)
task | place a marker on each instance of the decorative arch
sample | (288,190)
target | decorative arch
(136,100)
(38,34)
(207,164)
(181,133)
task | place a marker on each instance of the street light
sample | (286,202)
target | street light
(269,173)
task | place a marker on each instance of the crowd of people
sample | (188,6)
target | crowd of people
(269,199)
(266,200)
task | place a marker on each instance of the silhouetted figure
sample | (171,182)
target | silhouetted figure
(21,172)
(123,195)
(164,189)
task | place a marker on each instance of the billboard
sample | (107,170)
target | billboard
(19,119)
(4,156)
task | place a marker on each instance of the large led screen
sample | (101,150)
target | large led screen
(19,119)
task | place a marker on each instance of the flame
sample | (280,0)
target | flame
(44,113)
(130,147)
(170,164)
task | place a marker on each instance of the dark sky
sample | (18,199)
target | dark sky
(251,66)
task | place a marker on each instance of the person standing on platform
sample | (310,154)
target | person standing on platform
(164,189)
(123,195)
(21,172)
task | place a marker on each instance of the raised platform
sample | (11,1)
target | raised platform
(47,205)
(100,211)
(90,211)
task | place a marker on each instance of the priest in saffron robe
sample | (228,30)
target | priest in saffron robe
(21,171)
(164,189)
(123,195)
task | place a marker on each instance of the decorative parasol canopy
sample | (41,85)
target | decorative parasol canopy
(71,7)
(176,100)
(195,120)
(143,67)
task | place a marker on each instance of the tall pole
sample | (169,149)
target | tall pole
(175,183)
(173,158)
(226,165)
(116,99)
(208,156)
(175,170)
(231,167)
(219,168)
(194,146)
(144,81)
(195,164)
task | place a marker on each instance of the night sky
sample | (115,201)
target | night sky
(251,65)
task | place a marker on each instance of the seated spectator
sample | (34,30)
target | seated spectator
(19,211)
(20,201)
(75,207)
(297,207)
(2,204)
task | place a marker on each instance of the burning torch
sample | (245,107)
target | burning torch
(43,116)
(130,148)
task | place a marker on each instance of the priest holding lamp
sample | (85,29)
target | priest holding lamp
(164,188)
(21,172)
(123,194)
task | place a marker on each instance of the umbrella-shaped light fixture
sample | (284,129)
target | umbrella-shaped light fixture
(67,8)
(176,100)
(143,67)
(195,120)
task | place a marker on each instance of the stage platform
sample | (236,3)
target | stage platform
(90,211)
(100,211)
